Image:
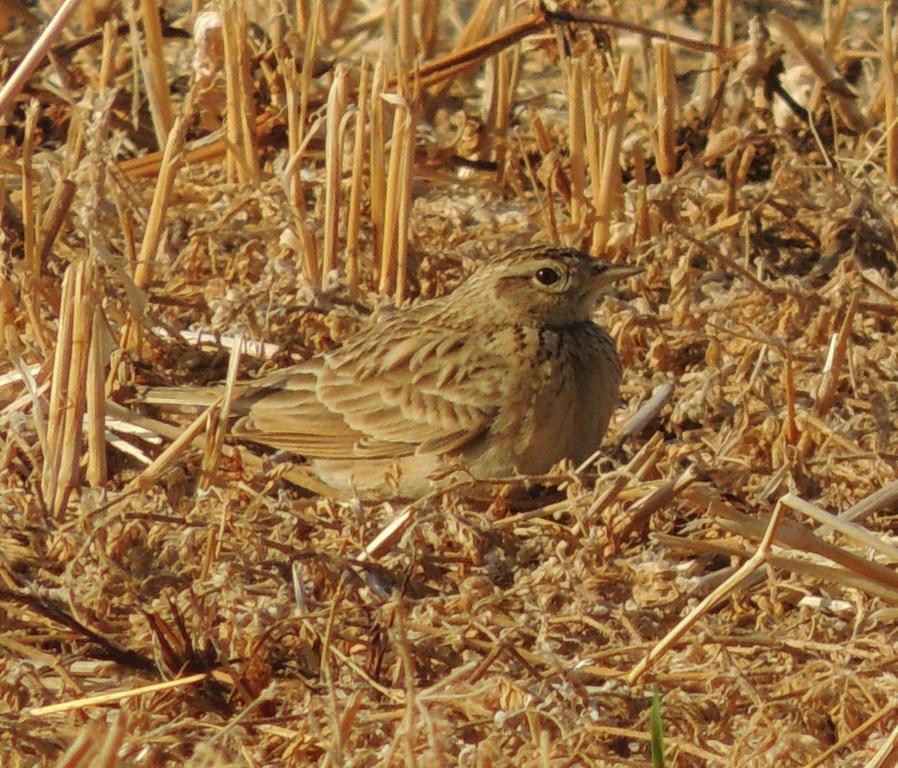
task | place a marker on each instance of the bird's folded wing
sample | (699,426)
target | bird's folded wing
(348,407)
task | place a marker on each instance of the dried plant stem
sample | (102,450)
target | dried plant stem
(594,139)
(397,187)
(308,246)
(833,28)
(642,225)
(646,456)
(215,441)
(58,389)
(825,69)
(305,72)
(377,158)
(869,505)
(107,698)
(836,358)
(36,53)
(107,61)
(405,656)
(534,185)
(174,451)
(338,18)
(666,157)
(53,219)
(790,428)
(547,150)
(153,235)
(403,216)
(577,116)
(154,72)
(353,216)
(303,16)
(722,13)
(96,405)
(887,745)
(69,386)
(505,71)
(746,570)
(29,207)
(333,163)
(243,158)
(478,23)
(405,43)
(611,156)
(888,77)
(848,529)
(560,15)
(429,24)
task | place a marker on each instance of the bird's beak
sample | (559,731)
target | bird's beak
(605,274)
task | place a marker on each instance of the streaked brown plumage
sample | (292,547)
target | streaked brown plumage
(507,374)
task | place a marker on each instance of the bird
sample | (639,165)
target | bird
(504,376)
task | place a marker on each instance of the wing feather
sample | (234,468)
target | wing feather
(360,402)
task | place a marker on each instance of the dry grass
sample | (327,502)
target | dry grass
(170,598)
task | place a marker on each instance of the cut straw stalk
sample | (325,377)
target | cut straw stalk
(848,529)
(29,207)
(310,50)
(836,358)
(215,441)
(243,159)
(889,92)
(333,164)
(605,202)
(53,219)
(405,38)
(547,150)
(646,457)
(154,74)
(403,217)
(595,144)
(377,157)
(886,750)
(397,200)
(68,389)
(577,116)
(823,67)
(505,72)
(870,576)
(440,70)
(353,215)
(143,273)
(107,59)
(174,451)
(666,158)
(96,404)
(523,153)
(113,696)
(642,226)
(307,245)
(721,30)
(36,53)
(746,570)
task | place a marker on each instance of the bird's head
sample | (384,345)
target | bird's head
(552,285)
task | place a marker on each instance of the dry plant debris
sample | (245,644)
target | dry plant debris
(175,184)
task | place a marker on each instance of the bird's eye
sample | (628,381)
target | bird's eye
(547,276)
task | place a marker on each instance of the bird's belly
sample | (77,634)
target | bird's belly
(567,419)
(567,431)
(406,477)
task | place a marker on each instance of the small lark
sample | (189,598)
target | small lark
(508,374)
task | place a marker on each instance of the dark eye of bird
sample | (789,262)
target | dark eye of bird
(547,275)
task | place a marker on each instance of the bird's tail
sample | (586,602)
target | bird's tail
(182,397)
